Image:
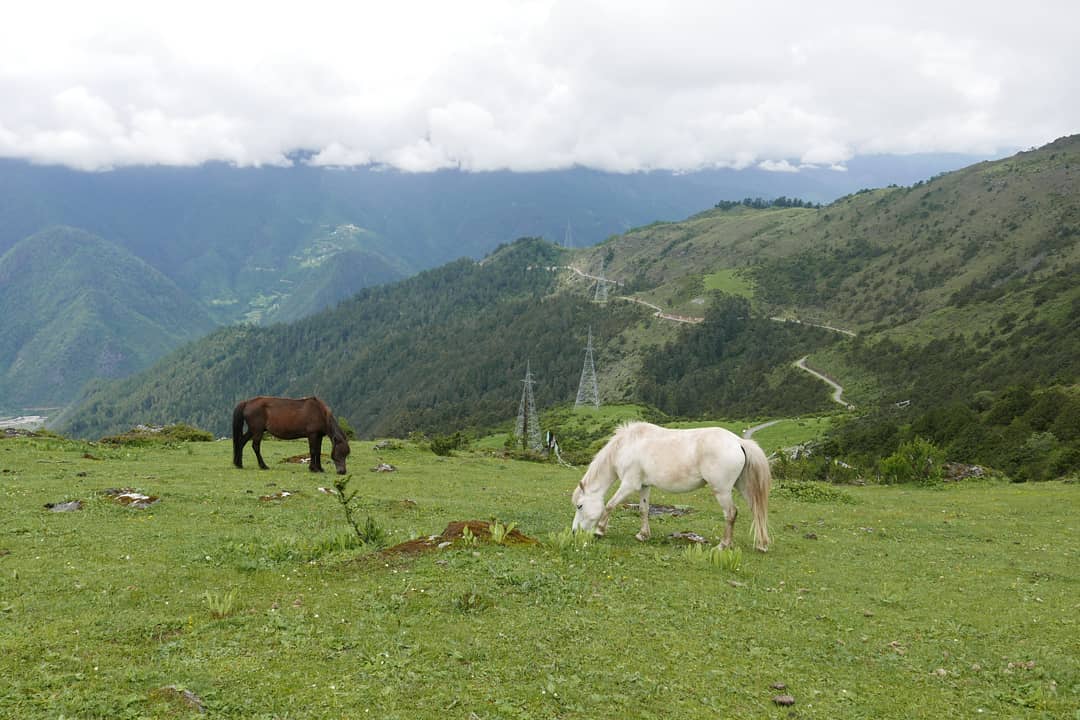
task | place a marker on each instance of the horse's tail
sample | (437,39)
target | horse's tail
(754,482)
(238,434)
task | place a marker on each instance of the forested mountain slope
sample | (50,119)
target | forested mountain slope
(441,351)
(74,307)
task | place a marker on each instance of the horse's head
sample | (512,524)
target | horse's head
(588,507)
(339,453)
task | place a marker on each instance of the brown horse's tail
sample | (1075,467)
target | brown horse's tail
(755,481)
(238,434)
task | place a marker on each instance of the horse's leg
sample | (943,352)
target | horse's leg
(315,446)
(625,490)
(256,445)
(730,511)
(643,506)
(238,454)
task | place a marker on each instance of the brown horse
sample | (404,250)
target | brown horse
(288,419)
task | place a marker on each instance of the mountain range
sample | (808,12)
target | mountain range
(263,245)
(950,298)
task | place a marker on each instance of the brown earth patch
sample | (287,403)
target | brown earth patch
(304,459)
(480,529)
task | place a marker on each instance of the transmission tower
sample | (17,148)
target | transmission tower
(527,429)
(568,241)
(587,391)
(601,287)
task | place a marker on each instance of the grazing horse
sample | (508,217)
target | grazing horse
(288,419)
(642,456)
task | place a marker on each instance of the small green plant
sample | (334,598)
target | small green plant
(500,533)
(467,537)
(729,560)
(220,604)
(371,534)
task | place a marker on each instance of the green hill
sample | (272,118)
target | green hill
(76,307)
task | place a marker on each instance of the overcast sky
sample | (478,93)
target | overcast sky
(619,85)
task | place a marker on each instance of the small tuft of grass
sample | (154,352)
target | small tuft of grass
(728,560)
(221,604)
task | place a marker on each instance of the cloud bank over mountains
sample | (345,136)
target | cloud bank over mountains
(532,84)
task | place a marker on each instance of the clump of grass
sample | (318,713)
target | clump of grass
(221,604)
(568,540)
(728,560)
(472,602)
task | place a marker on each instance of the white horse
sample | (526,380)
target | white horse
(642,456)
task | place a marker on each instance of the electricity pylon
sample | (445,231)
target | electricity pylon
(601,287)
(527,429)
(588,393)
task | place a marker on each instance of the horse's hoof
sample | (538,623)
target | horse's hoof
(641,537)
(597,534)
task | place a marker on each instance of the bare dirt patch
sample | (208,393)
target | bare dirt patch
(480,529)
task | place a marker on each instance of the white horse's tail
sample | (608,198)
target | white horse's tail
(754,482)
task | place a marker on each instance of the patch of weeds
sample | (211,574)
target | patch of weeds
(472,602)
(567,540)
(815,492)
(221,604)
(728,560)
(255,555)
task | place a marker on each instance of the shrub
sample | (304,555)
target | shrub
(444,445)
(917,461)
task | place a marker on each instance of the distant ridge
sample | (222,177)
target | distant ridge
(77,307)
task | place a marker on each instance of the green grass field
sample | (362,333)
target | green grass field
(731,281)
(874,602)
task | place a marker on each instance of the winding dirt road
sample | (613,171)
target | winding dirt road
(838,390)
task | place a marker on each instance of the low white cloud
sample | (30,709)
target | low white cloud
(532,84)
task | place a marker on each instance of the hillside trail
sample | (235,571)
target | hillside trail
(838,390)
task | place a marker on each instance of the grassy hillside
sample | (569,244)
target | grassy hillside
(77,307)
(875,602)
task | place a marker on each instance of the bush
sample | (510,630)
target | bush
(153,434)
(917,461)
(445,444)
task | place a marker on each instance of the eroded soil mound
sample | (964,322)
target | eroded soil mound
(480,529)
